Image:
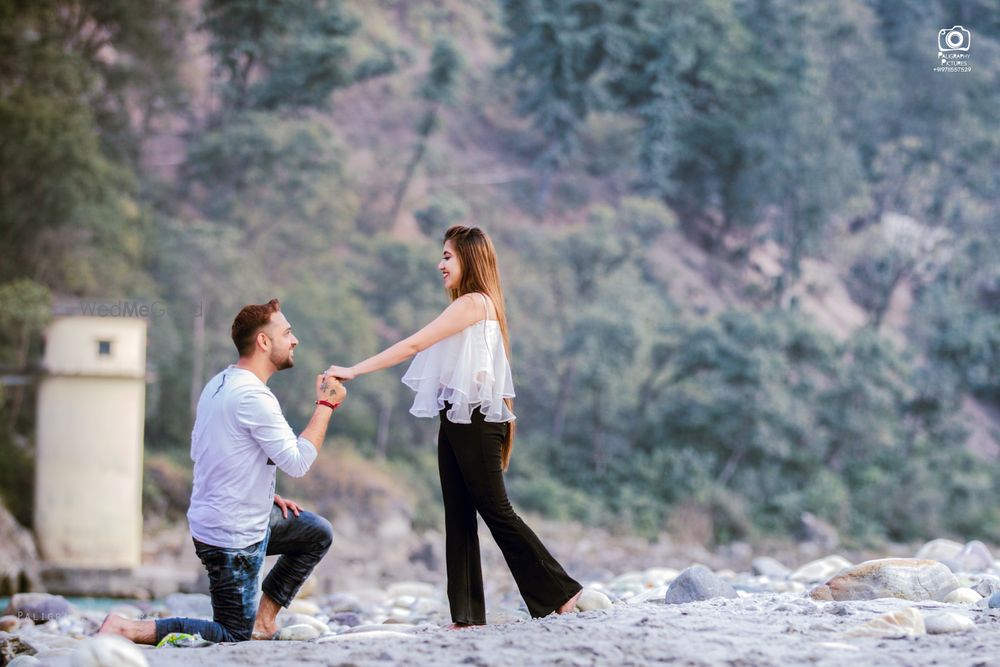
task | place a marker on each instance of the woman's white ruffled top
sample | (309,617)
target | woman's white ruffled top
(469,370)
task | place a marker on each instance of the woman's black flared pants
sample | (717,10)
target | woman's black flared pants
(470,464)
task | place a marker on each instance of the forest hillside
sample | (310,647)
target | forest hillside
(749,247)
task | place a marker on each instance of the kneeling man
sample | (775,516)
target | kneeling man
(240,437)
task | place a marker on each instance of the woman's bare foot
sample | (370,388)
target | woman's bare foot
(459,626)
(570,604)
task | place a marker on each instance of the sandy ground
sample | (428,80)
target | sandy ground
(759,630)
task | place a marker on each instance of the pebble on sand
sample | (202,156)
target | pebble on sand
(939,549)
(770,567)
(904,578)
(820,569)
(300,606)
(590,600)
(301,632)
(974,557)
(907,622)
(963,596)
(105,651)
(698,583)
(286,620)
(948,622)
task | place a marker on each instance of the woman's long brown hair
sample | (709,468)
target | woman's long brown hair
(480,273)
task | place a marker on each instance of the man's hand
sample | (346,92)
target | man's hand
(329,388)
(341,372)
(286,505)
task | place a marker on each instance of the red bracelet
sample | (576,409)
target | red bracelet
(328,404)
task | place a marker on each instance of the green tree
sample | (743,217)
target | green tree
(437,90)
(286,54)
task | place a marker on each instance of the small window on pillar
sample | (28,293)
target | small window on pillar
(104,348)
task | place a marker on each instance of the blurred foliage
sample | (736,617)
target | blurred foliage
(817,126)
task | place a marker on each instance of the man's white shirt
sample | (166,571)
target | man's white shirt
(240,436)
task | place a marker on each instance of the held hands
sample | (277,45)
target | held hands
(330,389)
(341,373)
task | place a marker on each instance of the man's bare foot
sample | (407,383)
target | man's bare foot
(570,604)
(264,626)
(140,632)
(110,626)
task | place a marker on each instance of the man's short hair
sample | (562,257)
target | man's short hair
(248,323)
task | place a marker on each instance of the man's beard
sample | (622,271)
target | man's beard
(283,363)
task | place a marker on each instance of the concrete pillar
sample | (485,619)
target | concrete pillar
(91,409)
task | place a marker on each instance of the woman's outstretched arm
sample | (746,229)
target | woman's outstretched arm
(463,311)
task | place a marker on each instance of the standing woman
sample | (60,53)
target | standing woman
(461,375)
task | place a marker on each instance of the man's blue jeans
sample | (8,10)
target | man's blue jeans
(301,541)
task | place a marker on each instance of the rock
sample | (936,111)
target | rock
(12,646)
(9,623)
(962,596)
(302,632)
(428,606)
(908,622)
(107,651)
(405,601)
(994,601)
(590,600)
(659,576)
(948,622)
(398,615)
(24,661)
(820,569)
(939,549)
(308,588)
(128,611)
(765,566)
(19,571)
(286,619)
(905,578)
(416,589)
(306,607)
(838,646)
(816,530)
(697,583)
(788,587)
(987,585)
(628,581)
(348,618)
(974,557)
(652,595)
(428,554)
(193,605)
(341,602)
(39,607)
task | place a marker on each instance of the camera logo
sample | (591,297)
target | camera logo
(954,39)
